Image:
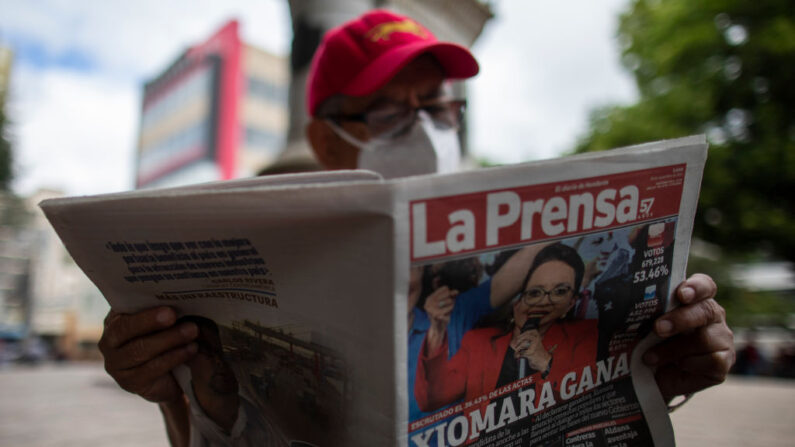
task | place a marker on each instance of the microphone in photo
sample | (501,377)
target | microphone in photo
(524,364)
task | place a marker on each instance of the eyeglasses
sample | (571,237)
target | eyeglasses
(391,120)
(556,295)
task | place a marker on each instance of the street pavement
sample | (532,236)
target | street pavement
(740,412)
(73,405)
(79,405)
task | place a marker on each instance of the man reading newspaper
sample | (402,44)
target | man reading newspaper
(379,98)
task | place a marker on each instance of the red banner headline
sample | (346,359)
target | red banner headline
(488,220)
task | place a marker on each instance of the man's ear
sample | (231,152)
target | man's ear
(331,151)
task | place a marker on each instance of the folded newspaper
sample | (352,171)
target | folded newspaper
(499,307)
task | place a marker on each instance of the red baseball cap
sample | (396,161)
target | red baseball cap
(360,56)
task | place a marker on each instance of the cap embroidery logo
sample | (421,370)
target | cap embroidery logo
(384,31)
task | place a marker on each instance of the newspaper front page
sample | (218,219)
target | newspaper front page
(532,297)
(530,290)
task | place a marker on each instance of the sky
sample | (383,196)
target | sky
(80,66)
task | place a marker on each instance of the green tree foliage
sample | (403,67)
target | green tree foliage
(744,308)
(724,68)
(5,154)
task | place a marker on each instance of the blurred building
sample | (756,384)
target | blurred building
(218,112)
(68,310)
(15,246)
(48,307)
(225,109)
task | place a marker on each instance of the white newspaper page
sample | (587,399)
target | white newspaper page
(531,288)
(529,292)
(291,287)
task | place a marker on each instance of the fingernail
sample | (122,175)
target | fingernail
(165,316)
(192,348)
(651,358)
(664,327)
(189,330)
(686,294)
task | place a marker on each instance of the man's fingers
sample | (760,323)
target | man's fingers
(713,366)
(109,317)
(689,317)
(142,379)
(121,328)
(712,338)
(698,287)
(675,382)
(143,349)
(694,373)
(699,349)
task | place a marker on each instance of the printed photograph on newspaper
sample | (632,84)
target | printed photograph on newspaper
(263,385)
(259,375)
(528,304)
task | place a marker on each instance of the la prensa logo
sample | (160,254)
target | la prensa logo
(384,31)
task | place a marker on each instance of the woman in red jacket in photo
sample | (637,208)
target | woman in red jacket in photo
(534,339)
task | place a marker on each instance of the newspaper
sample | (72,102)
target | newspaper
(506,306)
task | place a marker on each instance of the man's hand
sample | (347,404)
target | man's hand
(699,347)
(141,349)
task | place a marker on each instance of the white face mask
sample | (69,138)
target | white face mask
(425,149)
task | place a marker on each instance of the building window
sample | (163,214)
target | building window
(263,89)
(264,140)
